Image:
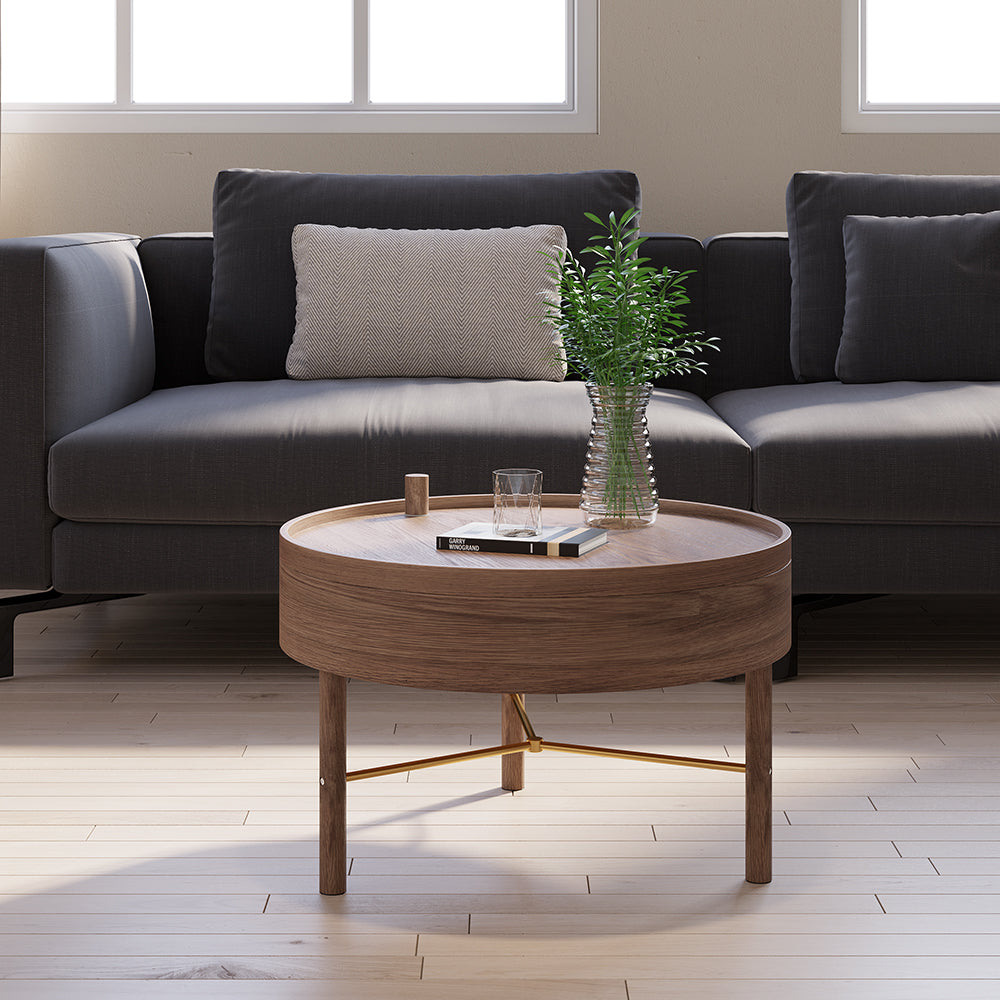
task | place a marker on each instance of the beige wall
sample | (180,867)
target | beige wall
(713,103)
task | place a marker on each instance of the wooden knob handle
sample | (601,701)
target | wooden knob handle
(416,494)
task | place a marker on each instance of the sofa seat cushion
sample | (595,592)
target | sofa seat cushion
(263,452)
(891,453)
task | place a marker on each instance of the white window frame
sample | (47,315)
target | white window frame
(579,113)
(860,115)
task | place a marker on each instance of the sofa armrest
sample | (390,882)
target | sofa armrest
(76,343)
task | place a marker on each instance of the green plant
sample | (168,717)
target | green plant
(620,320)
(622,326)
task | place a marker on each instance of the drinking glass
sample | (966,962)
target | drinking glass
(517,502)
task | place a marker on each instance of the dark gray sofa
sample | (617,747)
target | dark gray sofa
(138,459)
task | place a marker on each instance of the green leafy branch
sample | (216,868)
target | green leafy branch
(621,321)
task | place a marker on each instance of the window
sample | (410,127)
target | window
(921,66)
(299,65)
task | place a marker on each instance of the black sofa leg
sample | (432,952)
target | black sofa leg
(802,604)
(11,607)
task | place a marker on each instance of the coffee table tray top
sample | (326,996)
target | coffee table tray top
(702,593)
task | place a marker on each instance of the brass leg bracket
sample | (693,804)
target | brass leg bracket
(535,744)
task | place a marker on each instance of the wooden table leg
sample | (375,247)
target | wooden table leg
(511,731)
(332,784)
(758,774)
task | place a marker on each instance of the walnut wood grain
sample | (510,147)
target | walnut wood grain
(333,784)
(681,550)
(416,494)
(703,593)
(511,731)
(757,701)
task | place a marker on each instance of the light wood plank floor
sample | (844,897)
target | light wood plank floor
(158,824)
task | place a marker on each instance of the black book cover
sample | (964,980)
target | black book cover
(558,541)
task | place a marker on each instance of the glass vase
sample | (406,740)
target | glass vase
(619,488)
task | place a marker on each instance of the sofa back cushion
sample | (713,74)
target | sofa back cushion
(817,204)
(923,299)
(252,315)
(178,272)
(745,305)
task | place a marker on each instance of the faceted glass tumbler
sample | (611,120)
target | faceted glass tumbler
(517,502)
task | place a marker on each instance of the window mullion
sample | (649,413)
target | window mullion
(123,54)
(361,97)
(571,53)
(862,54)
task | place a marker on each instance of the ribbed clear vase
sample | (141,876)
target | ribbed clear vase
(619,488)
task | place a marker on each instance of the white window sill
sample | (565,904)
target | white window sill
(583,120)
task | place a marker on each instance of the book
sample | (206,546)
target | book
(558,541)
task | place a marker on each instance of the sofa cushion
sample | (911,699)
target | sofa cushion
(745,304)
(415,303)
(817,204)
(895,452)
(252,315)
(177,268)
(262,452)
(923,299)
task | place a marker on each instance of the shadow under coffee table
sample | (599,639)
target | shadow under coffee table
(702,594)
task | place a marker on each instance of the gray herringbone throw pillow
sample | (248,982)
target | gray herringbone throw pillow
(405,303)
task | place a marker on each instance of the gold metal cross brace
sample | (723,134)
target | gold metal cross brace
(535,744)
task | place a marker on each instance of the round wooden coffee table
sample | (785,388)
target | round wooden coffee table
(704,593)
